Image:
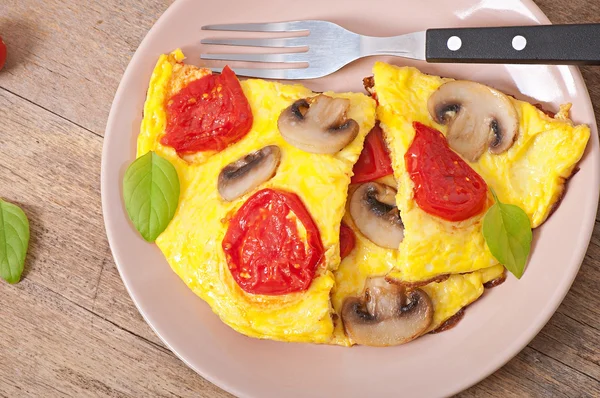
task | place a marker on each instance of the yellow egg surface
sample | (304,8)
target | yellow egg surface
(192,241)
(531,174)
(368,260)
(170,75)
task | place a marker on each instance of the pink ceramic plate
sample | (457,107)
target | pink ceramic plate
(494,329)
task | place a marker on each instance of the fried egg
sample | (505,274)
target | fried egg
(192,242)
(530,174)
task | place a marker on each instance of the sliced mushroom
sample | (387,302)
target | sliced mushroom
(386,315)
(318,125)
(373,209)
(245,174)
(478,118)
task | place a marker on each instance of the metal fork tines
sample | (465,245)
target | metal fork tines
(326,48)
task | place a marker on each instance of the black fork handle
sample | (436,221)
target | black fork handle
(541,44)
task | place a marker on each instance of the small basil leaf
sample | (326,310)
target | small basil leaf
(151,193)
(14,241)
(507,232)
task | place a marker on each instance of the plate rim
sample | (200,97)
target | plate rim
(499,360)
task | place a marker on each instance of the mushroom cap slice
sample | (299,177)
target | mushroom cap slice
(318,124)
(386,315)
(247,173)
(478,118)
(373,209)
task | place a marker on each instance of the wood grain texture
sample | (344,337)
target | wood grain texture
(69,329)
(63,349)
(68,56)
(38,149)
(113,303)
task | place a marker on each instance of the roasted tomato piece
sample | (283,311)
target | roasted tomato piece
(272,244)
(208,114)
(347,240)
(2,53)
(374,160)
(445,185)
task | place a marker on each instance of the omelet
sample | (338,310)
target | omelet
(438,268)
(368,260)
(192,243)
(530,172)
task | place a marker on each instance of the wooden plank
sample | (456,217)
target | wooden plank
(52,347)
(577,11)
(533,374)
(583,301)
(51,168)
(113,303)
(68,56)
(571,343)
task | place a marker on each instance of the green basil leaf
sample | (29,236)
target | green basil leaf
(507,232)
(151,193)
(14,241)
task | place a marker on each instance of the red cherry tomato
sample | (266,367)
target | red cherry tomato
(347,240)
(374,160)
(445,185)
(2,53)
(265,252)
(208,114)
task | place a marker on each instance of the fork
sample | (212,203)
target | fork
(328,46)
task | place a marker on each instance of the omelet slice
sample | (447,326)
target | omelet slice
(370,260)
(530,174)
(192,242)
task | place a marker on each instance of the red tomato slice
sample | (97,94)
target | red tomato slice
(445,185)
(208,114)
(2,53)
(374,160)
(347,240)
(264,249)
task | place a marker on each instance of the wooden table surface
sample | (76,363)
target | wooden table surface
(69,328)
